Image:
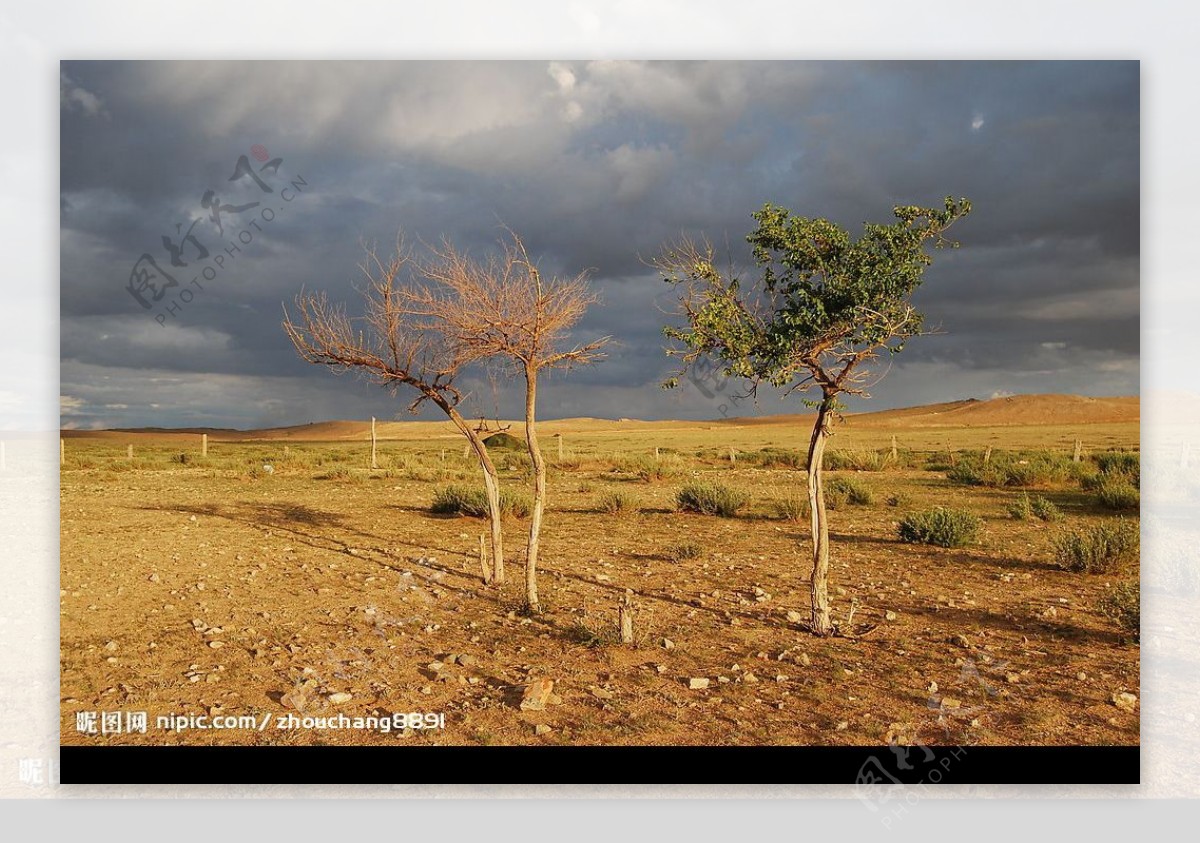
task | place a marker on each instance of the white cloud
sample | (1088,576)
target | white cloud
(71,406)
(73,97)
(977,123)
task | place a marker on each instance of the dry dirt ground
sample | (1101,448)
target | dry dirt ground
(217,588)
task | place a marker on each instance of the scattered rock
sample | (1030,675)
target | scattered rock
(110,645)
(794,617)
(933,687)
(805,659)
(842,725)
(153,578)
(1082,675)
(951,703)
(542,729)
(749,677)
(340,697)
(960,641)
(603,694)
(1125,701)
(667,644)
(216,644)
(1012,677)
(890,616)
(536,695)
(698,683)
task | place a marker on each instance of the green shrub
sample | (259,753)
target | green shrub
(1045,509)
(859,461)
(503,441)
(1031,468)
(793,508)
(1097,549)
(648,468)
(944,526)
(710,498)
(463,500)
(779,458)
(614,502)
(1126,463)
(1021,508)
(854,491)
(1116,493)
(1123,605)
(685,551)
(897,499)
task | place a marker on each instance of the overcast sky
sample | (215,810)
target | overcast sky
(596,165)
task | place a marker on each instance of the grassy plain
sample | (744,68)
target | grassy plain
(321,577)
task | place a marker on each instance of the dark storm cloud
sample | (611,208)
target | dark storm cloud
(597,165)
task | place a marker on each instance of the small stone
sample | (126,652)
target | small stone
(951,703)
(805,659)
(216,645)
(749,677)
(667,644)
(426,690)
(794,617)
(1125,701)
(536,695)
(110,645)
(153,578)
(842,725)
(542,729)
(933,687)
(340,697)
(1082,675)
(1012,677)
(603,694)
(960,641)
(890,616)
(698,683)
(466,659)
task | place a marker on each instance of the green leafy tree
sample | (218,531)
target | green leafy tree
(821,306)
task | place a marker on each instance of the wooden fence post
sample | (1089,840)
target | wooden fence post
(625,617)
(895,454)
(987,455)
(204,445)
(1078,451)
(374,463)
(732,456)
(560,445)
(129,451)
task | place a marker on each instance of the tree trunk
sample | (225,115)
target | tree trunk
(539,489)
(491,482)
(819,583)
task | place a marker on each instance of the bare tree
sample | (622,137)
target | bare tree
(395,344)
(502,309)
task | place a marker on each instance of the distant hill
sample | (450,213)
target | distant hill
(1010,410)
